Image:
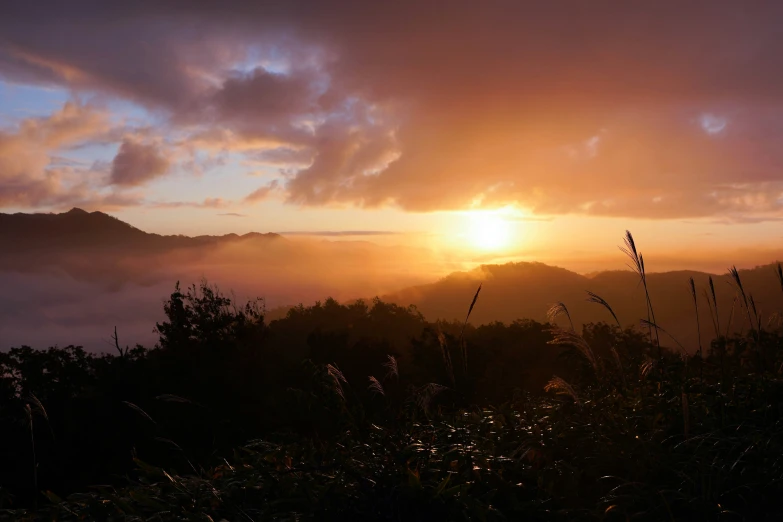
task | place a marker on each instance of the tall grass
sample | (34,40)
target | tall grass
(715,303)
(462,333)
(560,386)
(558,309)
(779,273)
(696,307)
(637,265)
(595,298)
(574,340)
(713,311)
(391,367)
(587,449)
(698,325)
(734,273)
(375,386)
(29,413)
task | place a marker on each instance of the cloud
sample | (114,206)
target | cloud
(232,214)
(72,297)
(528,219)
(284,157)
(262,193)
(548,107)
(137,163)
(33,172)
(207,203)
(354,147)
(261,94)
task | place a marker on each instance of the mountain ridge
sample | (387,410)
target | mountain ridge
(93,246)
(78,229)
(527,290)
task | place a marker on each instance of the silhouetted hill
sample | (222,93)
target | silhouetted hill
(97,248)
(78,229)
(527,290)
(72,277)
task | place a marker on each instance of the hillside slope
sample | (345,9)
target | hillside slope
(527,290)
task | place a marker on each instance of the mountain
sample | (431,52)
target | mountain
(70,278)
(79,230)
(64,277)
(527,290)
(98,247)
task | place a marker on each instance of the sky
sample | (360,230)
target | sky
(494,131)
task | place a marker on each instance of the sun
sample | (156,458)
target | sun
(488,231)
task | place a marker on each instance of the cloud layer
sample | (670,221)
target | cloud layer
(137,163)
(664,110)
(31,175)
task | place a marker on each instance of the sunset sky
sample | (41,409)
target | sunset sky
(502,130)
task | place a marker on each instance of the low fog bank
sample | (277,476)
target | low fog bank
(75,295)
(78,298)
(42,310)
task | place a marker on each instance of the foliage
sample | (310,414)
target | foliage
(366,411)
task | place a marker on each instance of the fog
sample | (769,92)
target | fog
(62,298)
(62,286)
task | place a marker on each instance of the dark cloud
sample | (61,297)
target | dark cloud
(137,163)
(263,94)
(663,110)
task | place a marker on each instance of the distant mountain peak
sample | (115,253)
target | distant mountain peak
(78,229)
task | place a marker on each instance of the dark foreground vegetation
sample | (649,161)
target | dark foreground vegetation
(370,412)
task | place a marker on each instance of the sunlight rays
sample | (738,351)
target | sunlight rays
(488,231)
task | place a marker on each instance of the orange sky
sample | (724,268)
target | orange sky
(406,123)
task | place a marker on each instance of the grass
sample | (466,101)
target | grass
(579,455)
(637,265)
(625,436)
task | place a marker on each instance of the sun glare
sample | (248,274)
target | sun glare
(489,231)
